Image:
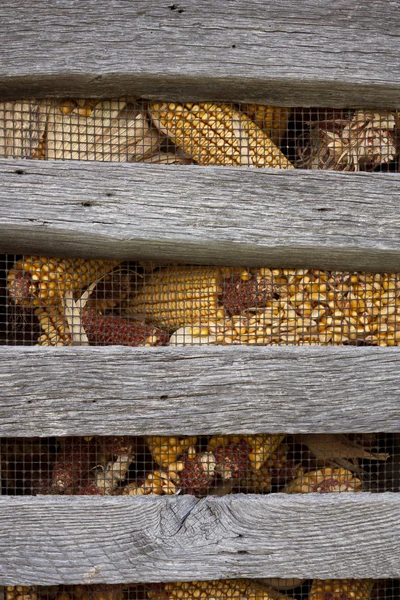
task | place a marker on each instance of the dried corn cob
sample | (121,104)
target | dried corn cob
(22,127)
(156,483)
(119,453)
(324,480)
(166,450)
(197,473)
(341,589)
(98,591)
(21,592)
(111,130)
(261,445)
(41,281)
(224,589)
(73,464)
(216,134)
(276,470)
(180,295)
(100,330)
(271,119)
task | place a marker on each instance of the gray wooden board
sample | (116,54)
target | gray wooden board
(201,214)
(136,391)
(48,540)
(281,51)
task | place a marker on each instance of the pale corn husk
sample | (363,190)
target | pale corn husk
(362,141)
(23,126)
(114,131)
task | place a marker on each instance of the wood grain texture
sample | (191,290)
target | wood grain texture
(307,53)
(137,391)
(48,540)
(201,214)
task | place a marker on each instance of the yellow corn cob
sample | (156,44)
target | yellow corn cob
(262,445)
(179,296)
(217,134)
(21,592)
(271,119)
(324,480)
(165,450)
(40,281)
(55,327)
(223,589)
(341,589)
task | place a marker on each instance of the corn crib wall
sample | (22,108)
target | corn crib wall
(283,54)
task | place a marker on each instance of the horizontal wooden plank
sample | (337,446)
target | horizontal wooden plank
(136,391)
(307,53)
(201,214)
(48,540)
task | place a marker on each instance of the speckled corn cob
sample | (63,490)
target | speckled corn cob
(165,450)
(217,134)
(324,480)
(271,119)
(72,467)
(100,330)
(261,445)
(41,281)
(224,589)
(180,295)
(341,589)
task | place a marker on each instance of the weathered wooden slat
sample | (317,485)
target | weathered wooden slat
(137,391)
(47,540)
(308,53)
(202,214)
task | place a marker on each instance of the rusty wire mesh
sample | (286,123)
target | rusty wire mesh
(127,129)
(245,589)
(199,465)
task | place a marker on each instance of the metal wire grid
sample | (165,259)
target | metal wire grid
(126,129)
(216,465)
(54,301)
(264,589)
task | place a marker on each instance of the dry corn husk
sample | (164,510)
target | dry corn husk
(362,141)
(114,131)
(337,449)
(168,158)
(23,126)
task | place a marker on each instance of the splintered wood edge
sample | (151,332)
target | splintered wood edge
(302,54)
(198,391)
(74,540)
(187,213)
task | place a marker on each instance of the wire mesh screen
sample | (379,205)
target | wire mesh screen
(201,466)
(55,301)
(224,589)
(252,135)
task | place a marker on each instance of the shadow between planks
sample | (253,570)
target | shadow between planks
(48,540)
(119,390)
(192,214)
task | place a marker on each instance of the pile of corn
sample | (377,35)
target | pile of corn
(194,305)
(223,589)
(124,129)
(220,464)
